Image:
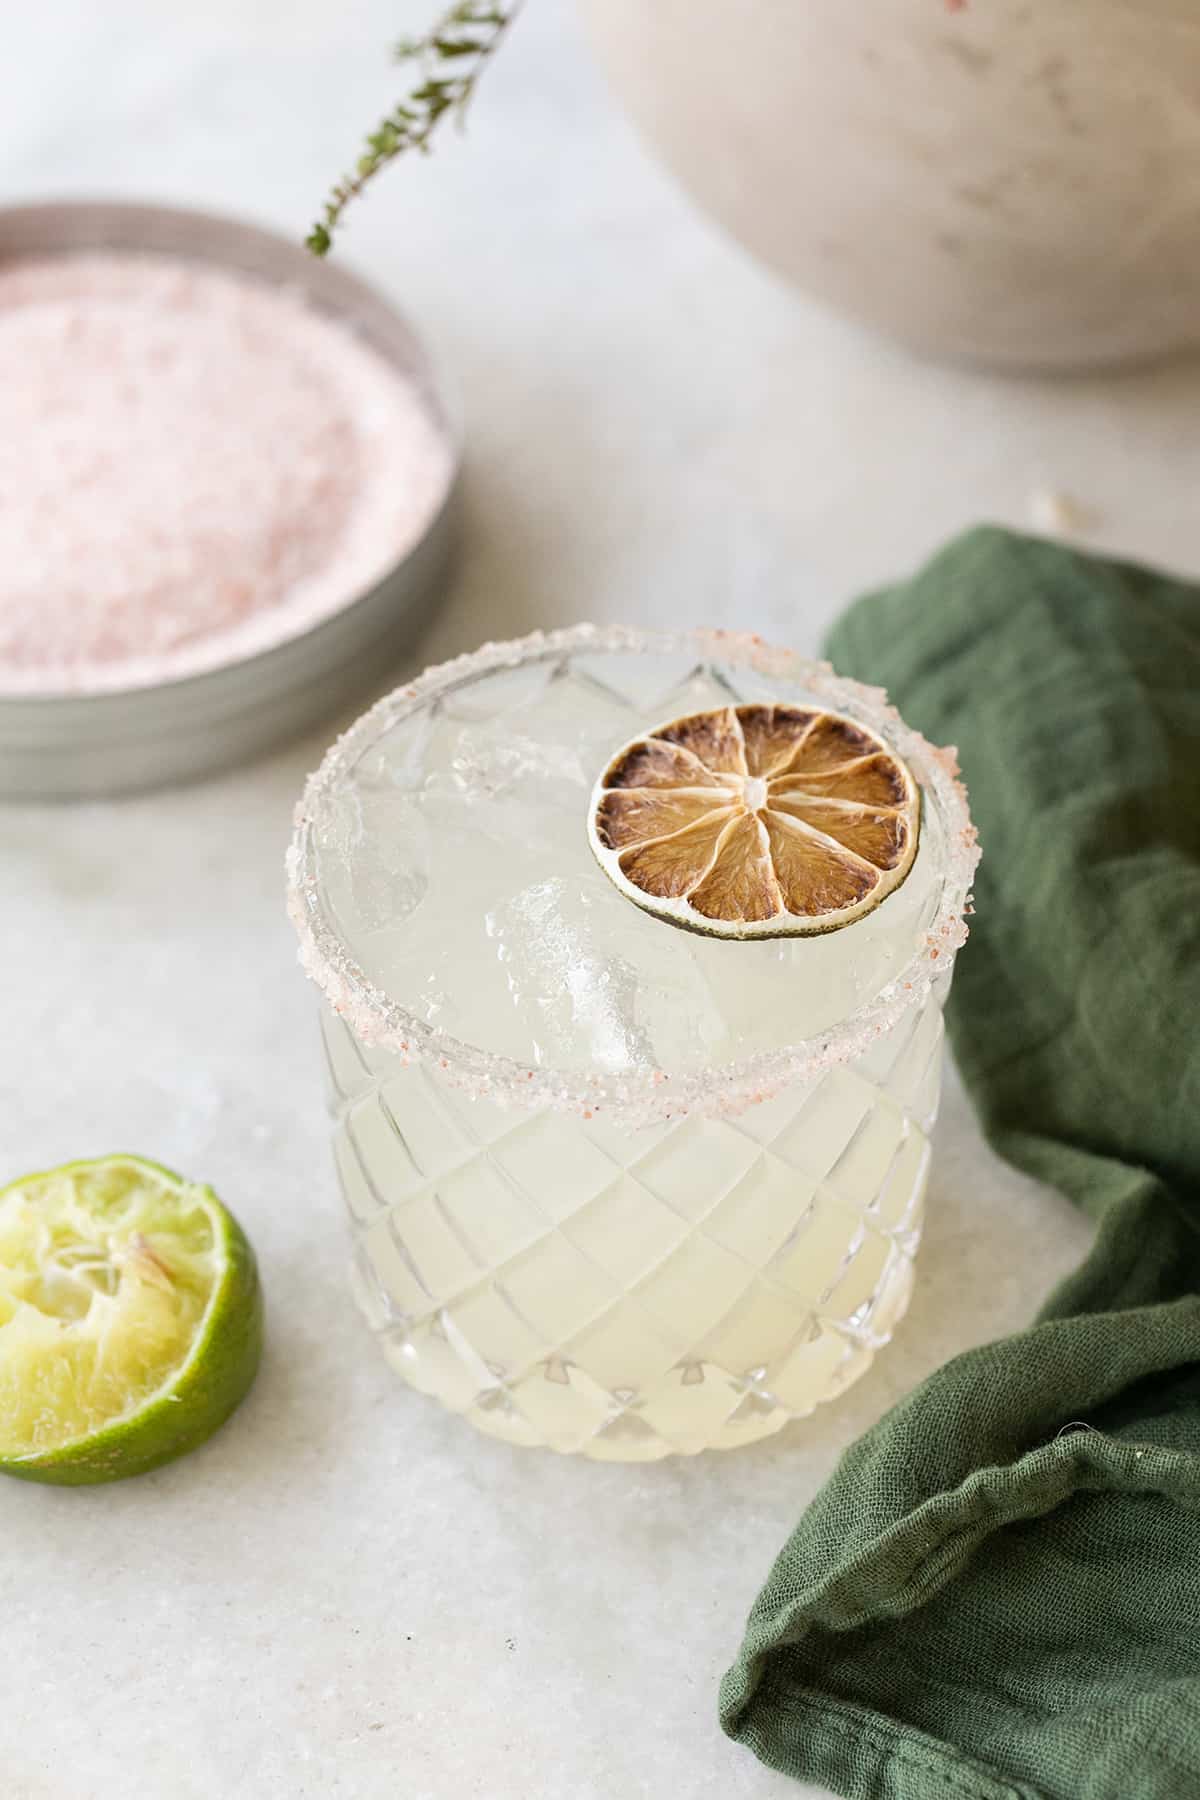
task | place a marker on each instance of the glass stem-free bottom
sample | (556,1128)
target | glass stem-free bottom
(626,1294)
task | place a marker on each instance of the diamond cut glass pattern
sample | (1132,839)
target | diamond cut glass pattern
(695,1295)
(613,1189)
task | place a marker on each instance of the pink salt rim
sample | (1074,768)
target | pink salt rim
(635,1096)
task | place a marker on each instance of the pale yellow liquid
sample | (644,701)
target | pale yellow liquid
(578,1283)
(682,1287)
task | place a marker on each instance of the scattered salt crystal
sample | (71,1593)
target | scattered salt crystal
(194,466)
(1057,513)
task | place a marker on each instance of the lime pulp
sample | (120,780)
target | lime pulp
(130,1320)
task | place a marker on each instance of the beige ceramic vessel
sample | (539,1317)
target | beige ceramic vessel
(1013,183)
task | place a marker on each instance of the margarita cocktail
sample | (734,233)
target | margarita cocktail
(633,949)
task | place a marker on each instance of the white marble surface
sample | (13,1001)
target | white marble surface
(347,1593)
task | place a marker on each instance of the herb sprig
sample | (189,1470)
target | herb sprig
(449,60)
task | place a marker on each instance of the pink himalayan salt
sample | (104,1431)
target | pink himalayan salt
(194,466)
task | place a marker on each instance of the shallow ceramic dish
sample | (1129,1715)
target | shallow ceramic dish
(61,746)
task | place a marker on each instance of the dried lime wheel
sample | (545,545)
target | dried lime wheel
(757,821)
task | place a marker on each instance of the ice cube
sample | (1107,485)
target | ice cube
(577,1004)
(374,858)
(490,761)
(578,973)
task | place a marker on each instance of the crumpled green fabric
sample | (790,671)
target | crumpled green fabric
(997,1595)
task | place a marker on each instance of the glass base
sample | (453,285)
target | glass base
(627,1295)
(698,1407)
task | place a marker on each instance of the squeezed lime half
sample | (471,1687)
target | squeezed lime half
(130,1320)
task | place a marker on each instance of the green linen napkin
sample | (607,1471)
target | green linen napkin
(997,1595)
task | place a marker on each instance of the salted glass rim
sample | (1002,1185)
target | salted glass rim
(635,1095)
